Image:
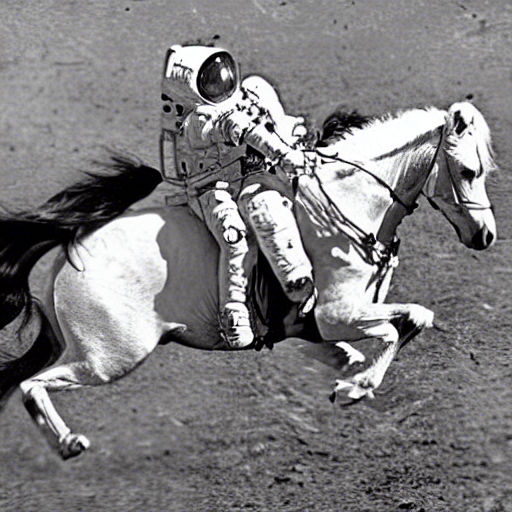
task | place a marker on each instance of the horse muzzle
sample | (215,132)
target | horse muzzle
(482,239)
(476,227)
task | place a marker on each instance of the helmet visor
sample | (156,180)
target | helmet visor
(217,79)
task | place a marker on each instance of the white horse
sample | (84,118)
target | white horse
(125,282)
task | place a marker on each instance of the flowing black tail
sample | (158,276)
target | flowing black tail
(62,221)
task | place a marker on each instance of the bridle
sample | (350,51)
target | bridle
(459,201)
(373,250)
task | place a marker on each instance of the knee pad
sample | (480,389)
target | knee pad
(230,222)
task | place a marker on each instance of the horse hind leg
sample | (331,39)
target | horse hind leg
(67,374)
(41,409)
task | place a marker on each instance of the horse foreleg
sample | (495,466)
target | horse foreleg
(40,407)
(374,335)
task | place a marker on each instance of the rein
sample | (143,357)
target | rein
(368,242)
(409,208)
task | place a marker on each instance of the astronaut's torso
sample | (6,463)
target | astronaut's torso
(211,142)
(201,151)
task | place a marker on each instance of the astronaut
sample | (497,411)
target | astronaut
(211,122)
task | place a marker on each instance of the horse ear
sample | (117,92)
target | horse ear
(461,116)
(459,124)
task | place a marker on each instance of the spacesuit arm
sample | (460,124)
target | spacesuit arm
(275,149)
(238,128)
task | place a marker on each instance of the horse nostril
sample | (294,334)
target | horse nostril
(489,238)
(482,239)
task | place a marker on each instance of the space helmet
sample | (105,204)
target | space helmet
(195,75)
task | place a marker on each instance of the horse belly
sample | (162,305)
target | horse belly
(190,293)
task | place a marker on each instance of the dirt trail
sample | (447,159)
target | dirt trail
(193,431)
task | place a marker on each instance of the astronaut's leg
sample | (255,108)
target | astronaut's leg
(223,220)
(271,217)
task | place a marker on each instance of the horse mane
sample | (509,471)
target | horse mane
(376,138)
(339,124)
(484,143)
(481,134)
(391,134)
(63,220)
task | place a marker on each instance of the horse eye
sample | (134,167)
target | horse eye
(468,174)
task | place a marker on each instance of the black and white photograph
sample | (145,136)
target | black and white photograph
(256,256)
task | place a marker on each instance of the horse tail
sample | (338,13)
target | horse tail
(44,351)
(64,220)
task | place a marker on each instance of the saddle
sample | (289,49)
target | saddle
(274,317)
(267,303)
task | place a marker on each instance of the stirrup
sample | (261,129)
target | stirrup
(308,304)
(303,292)
(236,325)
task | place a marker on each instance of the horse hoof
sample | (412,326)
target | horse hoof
(73,445)
(349,393)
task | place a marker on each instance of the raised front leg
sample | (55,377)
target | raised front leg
(371,335)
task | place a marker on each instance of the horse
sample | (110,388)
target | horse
(126,280)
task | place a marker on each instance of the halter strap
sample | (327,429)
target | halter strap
(377,251)
(469,205)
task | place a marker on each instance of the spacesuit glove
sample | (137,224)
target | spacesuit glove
(299,129)
(298,162)
(293,163)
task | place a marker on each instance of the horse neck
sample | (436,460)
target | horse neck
(409,170)
(403,165)
(407,173)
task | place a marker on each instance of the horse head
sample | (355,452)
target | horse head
(456,185)
(368,180)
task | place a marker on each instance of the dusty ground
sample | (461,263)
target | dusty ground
(193,431)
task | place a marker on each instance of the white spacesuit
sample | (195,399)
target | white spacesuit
(209,119)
